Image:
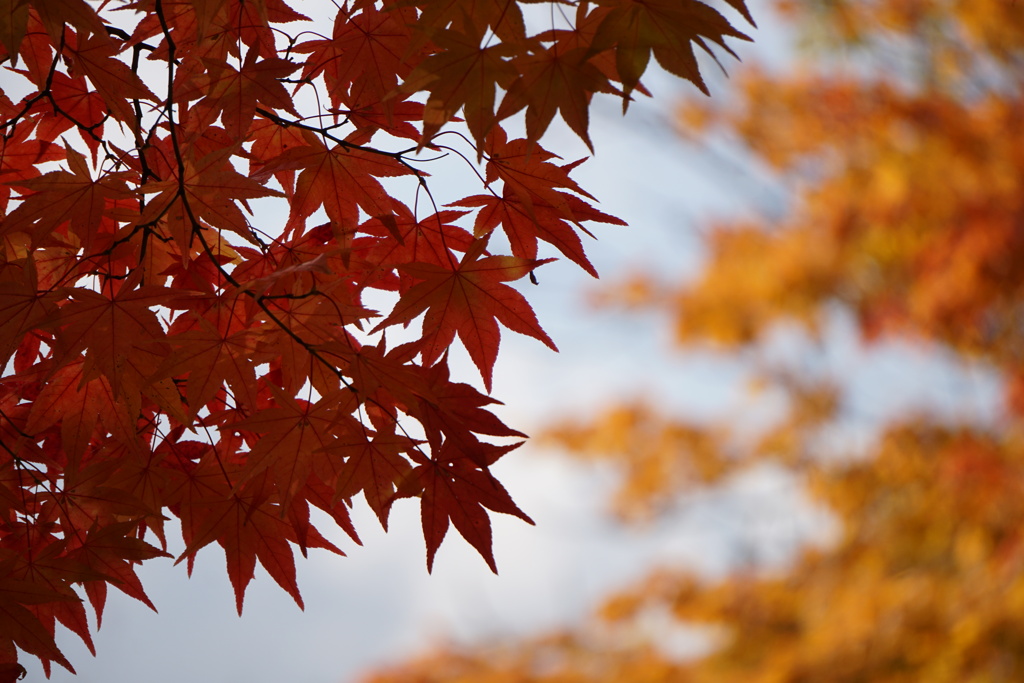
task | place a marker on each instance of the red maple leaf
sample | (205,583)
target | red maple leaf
(429,240)
(342,179)
(94,58)
(19,159)
(204,189)
(525,225)
(372,465)
(465,74)
(554,79)
(366,57)
(454,488)
(669,29)
(73,199)
(468,298)
(234,94)
(246,522)
(289,436)
(206,358)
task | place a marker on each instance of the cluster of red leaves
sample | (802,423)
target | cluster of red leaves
(164,350)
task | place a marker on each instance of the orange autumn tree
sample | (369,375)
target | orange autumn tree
(228,287)
(902,139)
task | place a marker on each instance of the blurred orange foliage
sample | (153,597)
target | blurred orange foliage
(901,134)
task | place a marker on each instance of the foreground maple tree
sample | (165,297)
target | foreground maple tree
(198,196)
(908,222)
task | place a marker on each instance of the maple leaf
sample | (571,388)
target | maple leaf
(251,21)
(372,465)
(290,434)
(79,108)
(246,523)
(453,410)
(272,140)
(207,357)
(424,241)
(13,26)
(526,170)
(78,405)
(112,551)
(366,56)
(524,226)
(108,327)
(503,17)
(93,57)
(376,372)
(342,179)
(56,14)
(205,189)
(464,76)
(315,320)
(22,306)
(554,79)
(233,94)
(19,158)
(669,29)
(468,298)
(454,488)
(390,116)
(74,198)
(22,627)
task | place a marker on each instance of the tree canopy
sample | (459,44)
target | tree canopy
(900,131)
(204,203)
